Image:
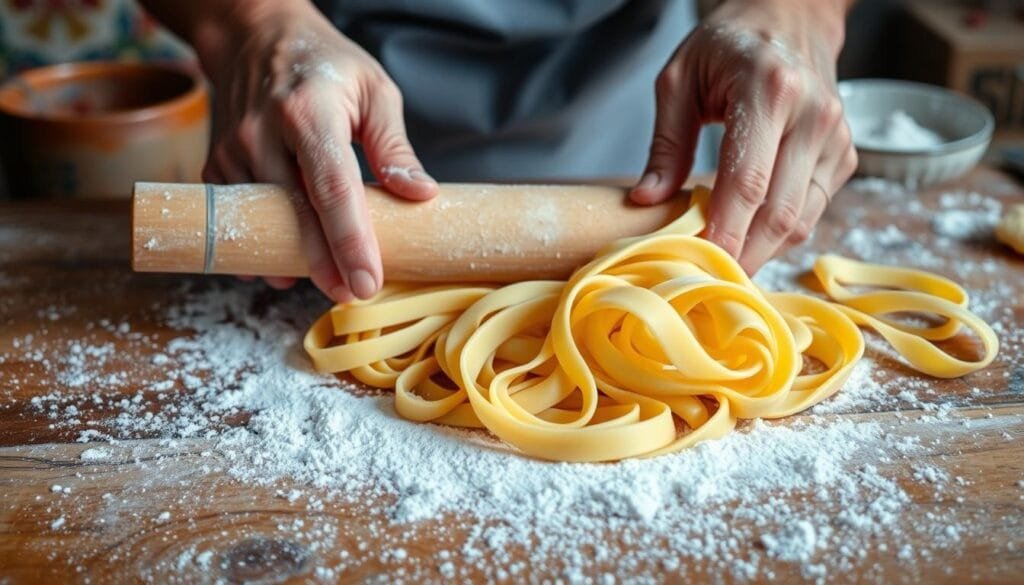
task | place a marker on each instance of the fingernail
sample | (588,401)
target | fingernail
(649,180)
(362,284)
(421,176)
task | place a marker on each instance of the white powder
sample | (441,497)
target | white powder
(779,275)
(94,454)
(800,487)
(966,216)
(896,131)
(389,171)
(543,222)
(882,244)
(328,72)
(878,186)
(778,484)
(930,474)
(964,225)
(738,131)
(860,392)
(796,542)
(782,485)
(204,558)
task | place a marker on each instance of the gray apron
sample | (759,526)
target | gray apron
(527,89)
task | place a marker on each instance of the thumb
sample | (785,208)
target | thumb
(676,128)
(384,140)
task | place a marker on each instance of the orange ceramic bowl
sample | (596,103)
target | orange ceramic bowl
(93,129)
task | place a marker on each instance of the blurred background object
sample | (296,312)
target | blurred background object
(34,33)
(914,133)
(37,33)
(974,47)
(92,129)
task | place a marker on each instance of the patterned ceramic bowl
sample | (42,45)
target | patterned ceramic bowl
(902,151)
(94,129)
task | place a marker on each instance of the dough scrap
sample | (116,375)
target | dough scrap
(1010,229)
(656,330)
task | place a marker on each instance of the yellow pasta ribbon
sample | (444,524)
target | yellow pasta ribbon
(660,342)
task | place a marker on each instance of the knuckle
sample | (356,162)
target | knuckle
(281,63)
(248,136)
(389,90)
(830,113)
(393,145)
(285,46)
(781,220)
(801,233)
(330,193)
(667,81)
(664,146)
(730,241)
(782,82)
(751,186)
(370,71)
(294,106)
(375,84)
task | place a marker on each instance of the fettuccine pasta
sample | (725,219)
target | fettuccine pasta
(660,342)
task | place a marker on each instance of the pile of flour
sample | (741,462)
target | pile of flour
(896,131)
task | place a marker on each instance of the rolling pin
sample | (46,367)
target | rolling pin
(468,233)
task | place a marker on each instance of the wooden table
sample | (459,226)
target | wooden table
(55,255)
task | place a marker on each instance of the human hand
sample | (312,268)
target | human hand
(767,69)
(291,95)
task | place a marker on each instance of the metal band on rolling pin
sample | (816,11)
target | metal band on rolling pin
(468,233)
(211,229)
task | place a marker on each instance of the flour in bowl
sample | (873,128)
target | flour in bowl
(896,131)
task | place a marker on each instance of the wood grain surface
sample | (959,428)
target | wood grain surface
(163,510)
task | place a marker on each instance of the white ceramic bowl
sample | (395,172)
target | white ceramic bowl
(964,124)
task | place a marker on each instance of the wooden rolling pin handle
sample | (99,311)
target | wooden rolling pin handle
(470,232)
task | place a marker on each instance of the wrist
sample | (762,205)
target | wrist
(828,19)
(218,31)
(800,22)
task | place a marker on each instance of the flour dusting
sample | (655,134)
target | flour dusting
(818,493)
(967,216)
(800,488)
